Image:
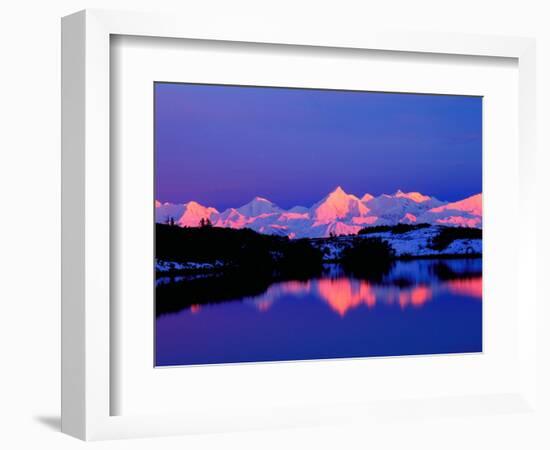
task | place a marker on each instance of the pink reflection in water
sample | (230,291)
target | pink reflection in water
(264,303)
(471,287)
(345,294)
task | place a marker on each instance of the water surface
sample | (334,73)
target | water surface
(416,307)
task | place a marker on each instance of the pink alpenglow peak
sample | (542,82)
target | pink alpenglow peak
(472,205)
(464,213)
(367,198)
(338,205)
(339,213)
(193,214)
(414,196)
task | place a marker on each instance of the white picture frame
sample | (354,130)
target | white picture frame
(86,220)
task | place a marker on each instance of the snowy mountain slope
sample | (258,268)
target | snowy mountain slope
(166,211)
(231,218)
(414,196)
(367,197)
(298,209)
(470,205)
(186,214)
(401,207)
(258,206)
(193,212)
(466,213)
(339,213)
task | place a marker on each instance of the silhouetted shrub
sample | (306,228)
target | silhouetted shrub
(300,259)
(447,235)
(368,249)
(368,258)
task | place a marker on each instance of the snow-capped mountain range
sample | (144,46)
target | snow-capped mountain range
(337,214)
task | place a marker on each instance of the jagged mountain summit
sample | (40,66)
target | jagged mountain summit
(338,206)
(336,214)
(259,206)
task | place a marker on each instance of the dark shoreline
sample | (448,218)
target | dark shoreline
(207,249)
(332,261)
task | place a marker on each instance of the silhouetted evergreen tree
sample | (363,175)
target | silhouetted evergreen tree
(205,222)
(368,258)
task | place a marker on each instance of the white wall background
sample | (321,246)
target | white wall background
(29,226)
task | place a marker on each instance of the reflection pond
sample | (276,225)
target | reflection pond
(424,306)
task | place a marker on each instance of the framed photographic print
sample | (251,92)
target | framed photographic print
(267,228)
(386,272)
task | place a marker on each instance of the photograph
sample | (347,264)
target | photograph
(298,224)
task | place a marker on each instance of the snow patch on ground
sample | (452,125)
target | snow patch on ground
(413,243)
(172,266)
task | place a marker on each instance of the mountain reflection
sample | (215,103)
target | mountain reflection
(345,294)
(471,287)
(408,284)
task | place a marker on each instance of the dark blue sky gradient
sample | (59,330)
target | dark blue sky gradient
(223,145)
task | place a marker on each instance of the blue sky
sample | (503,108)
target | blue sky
(223,145)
